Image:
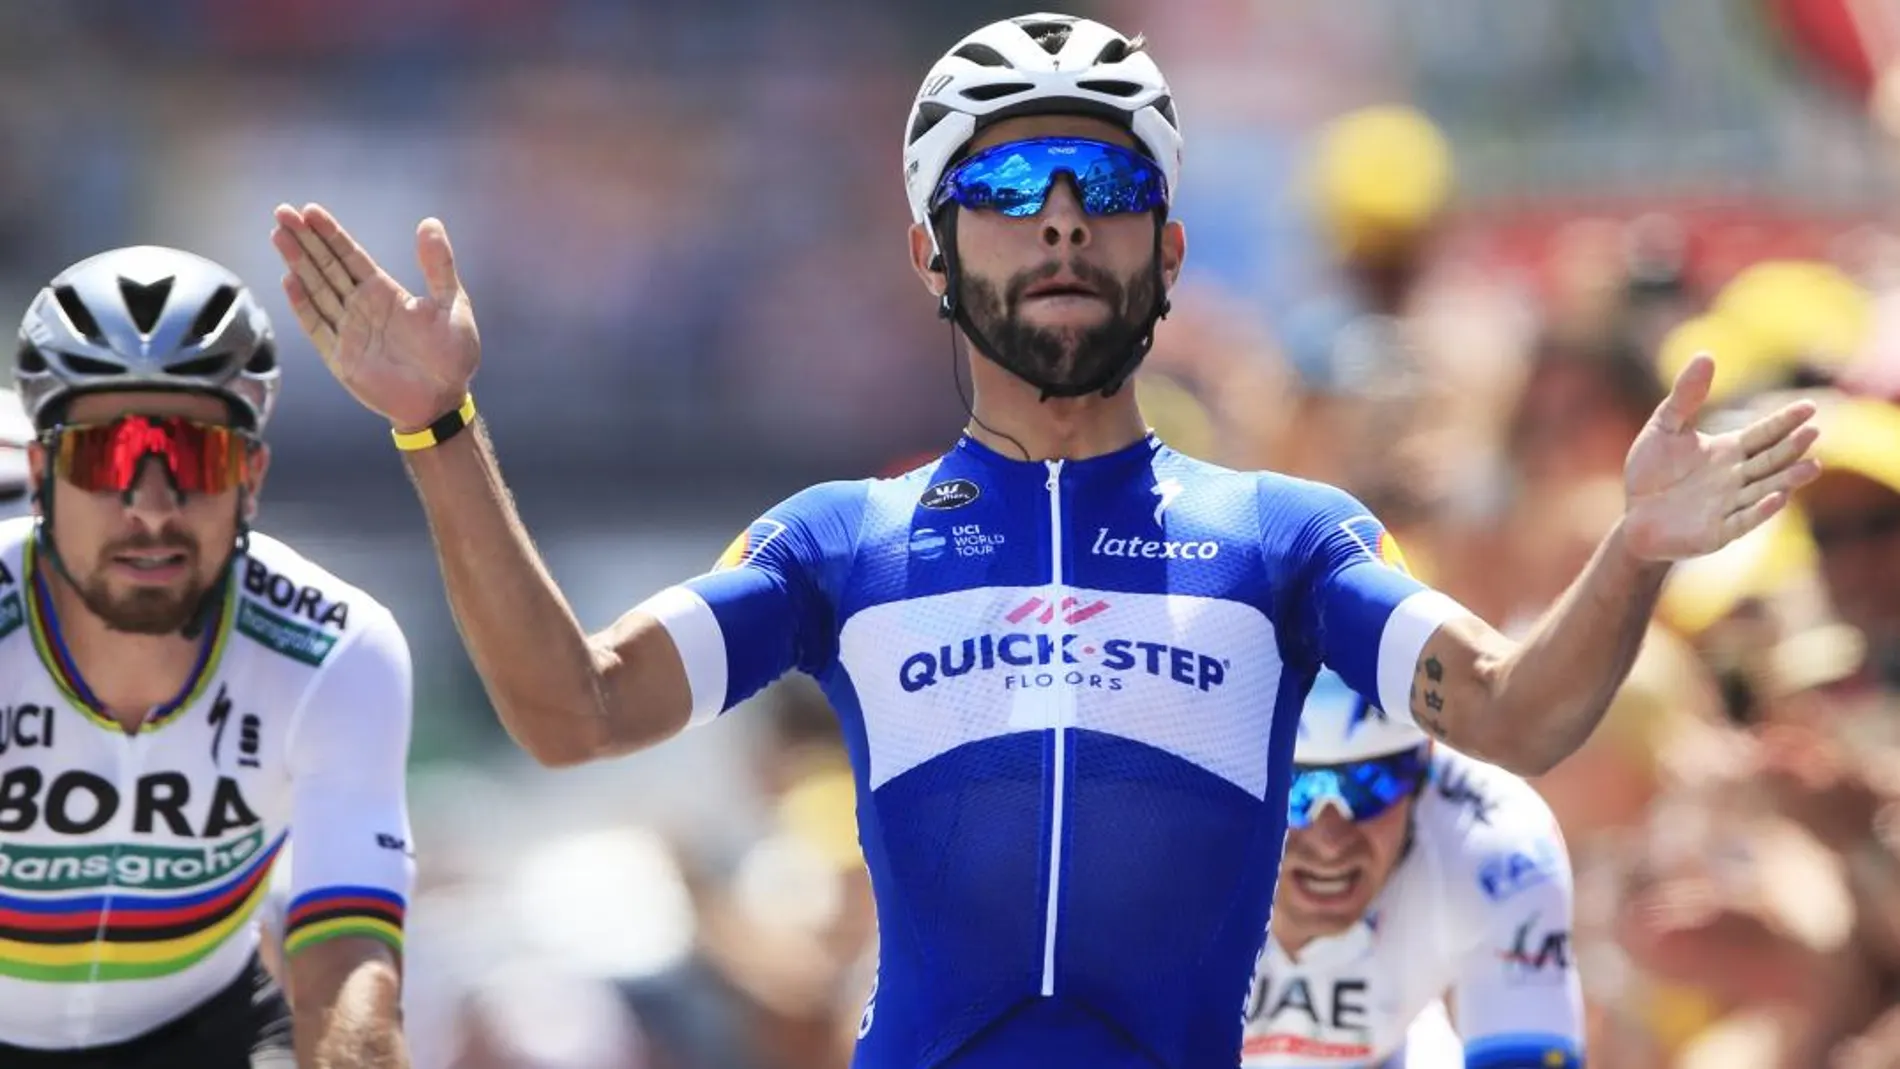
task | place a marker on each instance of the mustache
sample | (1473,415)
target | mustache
(1096,278)
(169,538)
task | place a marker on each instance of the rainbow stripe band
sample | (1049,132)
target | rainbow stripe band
(329,912)
(1523,1052)
(125,935)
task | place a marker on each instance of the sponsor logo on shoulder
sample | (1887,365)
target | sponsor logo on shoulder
(297,641)
(12,613)
(1376,541)
(305,601)
(950,494)
(1504,875)
(747,546)
(1537,957)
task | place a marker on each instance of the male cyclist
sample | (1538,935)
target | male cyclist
(177,692)
(1412,872)
(1067,659)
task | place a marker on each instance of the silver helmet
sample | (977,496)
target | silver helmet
(146,317)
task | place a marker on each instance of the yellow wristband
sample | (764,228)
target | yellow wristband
(450,425)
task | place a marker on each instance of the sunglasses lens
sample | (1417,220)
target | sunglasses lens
(201,458)
(1014,179)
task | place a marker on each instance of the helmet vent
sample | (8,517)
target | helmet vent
(79,315)
(145,303)
(1110,87)
(211,314)
(29,359)
(982,55)
(263,361)
(198,367)
(86,365)
(991,92)
(929,114)
(1050,35)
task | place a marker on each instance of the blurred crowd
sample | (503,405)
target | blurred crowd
(682,225)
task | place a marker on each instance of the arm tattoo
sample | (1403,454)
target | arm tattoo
(1434,702)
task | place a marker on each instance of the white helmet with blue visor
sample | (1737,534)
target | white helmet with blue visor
(1350,754)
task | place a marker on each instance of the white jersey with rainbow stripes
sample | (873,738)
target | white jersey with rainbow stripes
(131,866)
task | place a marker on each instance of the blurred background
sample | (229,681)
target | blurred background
(1445,255)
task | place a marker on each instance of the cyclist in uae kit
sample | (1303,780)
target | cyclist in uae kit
(178,695)
(1412,872)
(1068,660)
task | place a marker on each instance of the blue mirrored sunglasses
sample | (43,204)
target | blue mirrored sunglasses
(1014,178)
(1364,789)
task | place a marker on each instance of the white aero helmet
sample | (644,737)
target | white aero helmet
(146,317)
(1338,726)
(1040,64)
(15,432)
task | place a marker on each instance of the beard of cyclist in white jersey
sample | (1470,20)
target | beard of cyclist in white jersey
(1412,876)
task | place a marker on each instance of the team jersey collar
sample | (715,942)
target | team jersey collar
(1135,454)
(43,622)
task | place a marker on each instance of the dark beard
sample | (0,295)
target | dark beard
(1065,359)
(144,611)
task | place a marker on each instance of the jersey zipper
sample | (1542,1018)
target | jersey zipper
(1058,775)
(131,763)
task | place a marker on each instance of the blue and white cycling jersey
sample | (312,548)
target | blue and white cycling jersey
(1069,692)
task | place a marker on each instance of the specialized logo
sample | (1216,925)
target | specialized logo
(1167,490)
(1055,658)
(1376,541)
(951,494)
(1137,548)
(748,544)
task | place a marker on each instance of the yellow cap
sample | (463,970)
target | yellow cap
(821,810)
(1741,364)
(1862,436)
(1702,590)
(1381,173)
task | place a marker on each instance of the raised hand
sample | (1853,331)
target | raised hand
(406,357)
(1689,493)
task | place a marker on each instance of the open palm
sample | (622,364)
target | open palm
(408,357)
(1689,493)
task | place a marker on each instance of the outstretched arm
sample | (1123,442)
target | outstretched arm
(564,696)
